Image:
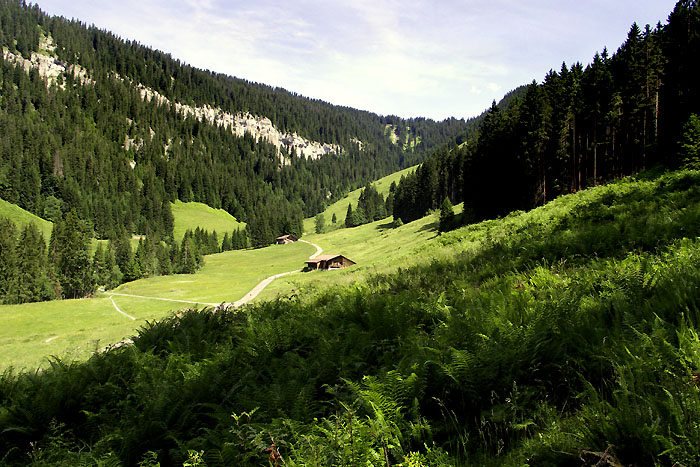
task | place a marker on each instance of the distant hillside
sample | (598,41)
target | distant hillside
(21,217)
(339,208)
(117,131)
(189,216)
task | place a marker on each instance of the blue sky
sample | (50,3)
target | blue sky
(410,58)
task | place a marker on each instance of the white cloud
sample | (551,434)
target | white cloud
(409,57)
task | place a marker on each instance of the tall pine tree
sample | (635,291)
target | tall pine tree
(70,245)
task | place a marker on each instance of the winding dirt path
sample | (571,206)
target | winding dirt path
(265,282)
(319,250)
(246,298)
(120,311)
(157,298)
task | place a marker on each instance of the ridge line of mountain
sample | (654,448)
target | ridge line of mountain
(50,68)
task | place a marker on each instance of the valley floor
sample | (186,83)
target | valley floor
(30,334)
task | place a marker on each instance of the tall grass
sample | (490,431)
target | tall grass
(569,332)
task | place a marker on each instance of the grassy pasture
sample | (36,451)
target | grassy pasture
(68,329)
(225,277)
(193,215)
(376,247)
(531,339)
(76,328)
(21,217)
(340,208)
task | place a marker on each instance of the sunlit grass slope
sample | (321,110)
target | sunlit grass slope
(75,328)
(69,329)
(375,247)
(340,208)
(566,335)
(193,215)
(225,277)
(21,217)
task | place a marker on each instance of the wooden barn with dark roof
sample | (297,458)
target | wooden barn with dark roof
(329,262)
(284,239)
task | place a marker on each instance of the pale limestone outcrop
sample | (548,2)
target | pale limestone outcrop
(50,68)
(257,127)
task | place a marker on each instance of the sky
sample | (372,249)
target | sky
(411,58)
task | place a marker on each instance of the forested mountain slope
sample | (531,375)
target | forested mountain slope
(116,131)
(582,125)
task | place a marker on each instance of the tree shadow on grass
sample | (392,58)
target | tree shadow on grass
(433,226)
(387,226)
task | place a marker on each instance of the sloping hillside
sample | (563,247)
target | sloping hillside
(566,332)
(339,208)
(115,131)
(21,217)
(189,216)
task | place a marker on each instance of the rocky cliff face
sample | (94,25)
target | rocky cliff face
(258,127)
(50,68)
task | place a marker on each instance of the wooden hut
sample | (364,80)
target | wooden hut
(329,262)
(284,239)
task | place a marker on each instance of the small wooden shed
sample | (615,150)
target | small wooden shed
(284,239)
(329,262)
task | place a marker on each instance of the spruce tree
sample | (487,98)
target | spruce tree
(72,261)
(124,257)
(349,217)
(213,244)
(168,220)
(689,150)
(446,216)
(8,261)
(189,254)
(320,223)
(30,283)
(226,242)
(99,266)
(146,258)
(165,266)
(115,275)
(236,240)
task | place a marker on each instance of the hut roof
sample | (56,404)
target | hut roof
(321,258)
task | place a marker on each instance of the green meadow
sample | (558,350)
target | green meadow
(21,217)
(340,208)
(192,215)
(74,329)
(225,277)
(375,247)
(533,339)
(33,333)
